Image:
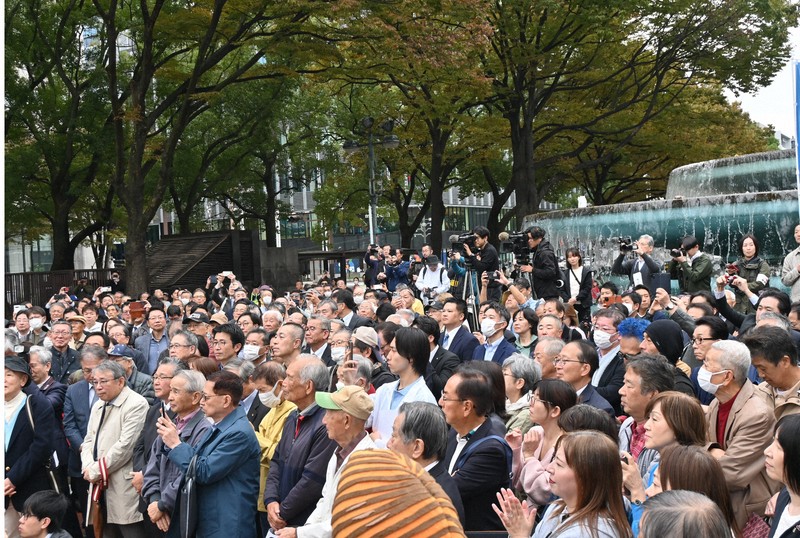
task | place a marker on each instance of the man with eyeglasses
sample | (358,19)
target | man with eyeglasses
(65,359)
(140,383)
(155,341)
(77,407)
(227,340)
(183,347)
(162,477)
(318,329)
(575,365)
(608,376)
(107,451)
(162,381)
(42,515)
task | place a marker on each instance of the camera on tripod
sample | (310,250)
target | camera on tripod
(626,243)
(457,243)
(516,242)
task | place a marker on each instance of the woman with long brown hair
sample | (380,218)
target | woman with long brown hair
(587,476)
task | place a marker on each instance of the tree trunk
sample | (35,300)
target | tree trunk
(523,175)
(136,275)
(438,144)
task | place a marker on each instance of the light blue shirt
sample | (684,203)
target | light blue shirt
(491,349)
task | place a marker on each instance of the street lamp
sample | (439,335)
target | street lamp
(389,141)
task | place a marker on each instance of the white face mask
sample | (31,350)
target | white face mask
(250,352)
(337,354)
(184,302)
(628,307)
(328,293)
(487,327)
(358,299)
(270,399)
(266,300)
(602,339)
(704,380)
(35,323)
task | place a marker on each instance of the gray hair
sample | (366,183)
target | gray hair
(552,346)
(12,340)
(425,421)
(110,366)
(734,357)
(363,368)
(647,239)
(331,303)
(44,354)
(774,319)
(315,371)
(175,363)
(244,369)
(195,381)
(274,313)
(525,368)
(683,514)
(324,323)
(190,337)
(337,325)
(93,352)
(60,322)
(408,315)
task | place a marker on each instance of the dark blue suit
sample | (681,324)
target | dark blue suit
(480,476)
(227,477)
(503,351)
(463,344)
(591,397)
(77,408)
(30,448)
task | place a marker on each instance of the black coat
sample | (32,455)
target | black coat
(257,412)
(30,448)
(783,501)
(546,273)
(443,478)
(610,383)
(626,267)
(440,369)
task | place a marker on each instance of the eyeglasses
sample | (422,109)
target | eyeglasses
(446,399)
(100,382)
(561,360)
(535,399)
(162,377)
(175,346)
(339,343)
(219,343)
(205,397)
(700,340)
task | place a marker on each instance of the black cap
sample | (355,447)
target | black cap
(433,259)
(197,317)
(18,364)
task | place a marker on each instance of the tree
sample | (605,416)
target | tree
(164,64)
(57,125)
(553,63)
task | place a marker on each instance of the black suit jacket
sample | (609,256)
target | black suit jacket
(480,476)
(30,448)
(610,383)
(326,355)
(358,321)
(463,344)
(591,397)
(440,369)
(257,412)
(143,445)
(443,478)
(649,267)
(55,393)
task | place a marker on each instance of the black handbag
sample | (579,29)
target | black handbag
(189,502)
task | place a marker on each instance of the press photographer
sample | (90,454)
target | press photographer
(542,269)
(641,266)
(485,259)
(691,267)
(373,261)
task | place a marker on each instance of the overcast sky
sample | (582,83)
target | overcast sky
(774,104)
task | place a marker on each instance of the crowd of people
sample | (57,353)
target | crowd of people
(400,406)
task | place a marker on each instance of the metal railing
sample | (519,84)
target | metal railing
(39,287)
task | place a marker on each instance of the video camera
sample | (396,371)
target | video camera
(516,242)
(626,243)
(457,243)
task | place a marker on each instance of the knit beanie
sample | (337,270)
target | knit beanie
(666,335)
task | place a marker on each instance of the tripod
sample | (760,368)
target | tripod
(471,295)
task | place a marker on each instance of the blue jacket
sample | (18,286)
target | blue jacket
(463,344)
(76,418)
(227,477)
(504,350)
(396,274)
(592,397)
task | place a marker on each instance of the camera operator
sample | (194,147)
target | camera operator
(640,269)
(691,267)
(486,259)
(543,270)
(418,262)
(373,260)
(396,270)
(455,271)
(432,280)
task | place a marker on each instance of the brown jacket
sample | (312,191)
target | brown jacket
(786,404)
(748,432)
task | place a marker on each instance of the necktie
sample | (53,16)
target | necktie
(445,340)
(99,427)
(300,419)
